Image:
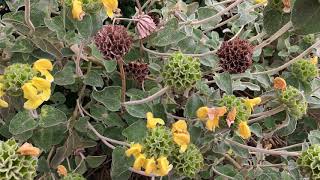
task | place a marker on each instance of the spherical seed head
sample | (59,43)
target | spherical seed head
(159,142)
(113,41)
(139,71)
(73,176)
(235,55)
(231,101)
(308,161)
(14,165)
(188,163)
(181,72)
(304,70)
(295,102)
(15,76)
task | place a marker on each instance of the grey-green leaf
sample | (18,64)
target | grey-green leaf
(51,116)
(120,165)
(109,97)
(22,122)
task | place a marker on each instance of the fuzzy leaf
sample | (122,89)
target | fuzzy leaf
(109,97)
(22,122)
(120,165)
(136,131)
(51,116)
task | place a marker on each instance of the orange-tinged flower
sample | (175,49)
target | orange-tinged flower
(62,171)
(110,6)
(279,83)
(44,66)
(244,130)
(314,60)
(139,162)
(150,166)
(216,111)
(28,150)
(287,6)
(77,11)
(134,150)
(164,166)
(152,122)
(202,113)
(231,116)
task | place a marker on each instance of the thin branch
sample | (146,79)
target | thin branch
(270,113)
(291,146)
(258,36)
(235,163)
(123,80)
(27,18)
(222,2)
(281,107)
(264,151)
(275,70)
(148,99)
(223,23)
(237,34)
(206,20)
(275,36)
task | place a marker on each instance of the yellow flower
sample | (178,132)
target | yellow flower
(36,92)
(110,6)
(214,114)
(279,83)
(182,139)
(134,150)
(260,1)
(212,123)
(180,126)
(139,162)
(77,12)
(181,135)
(314,60)
(28,150)
(44,66)
(163,166)
(150,166)
(62,171)
(152,122)
(244,130)
(202,113)
(31,94)
(3,104)
(250,103)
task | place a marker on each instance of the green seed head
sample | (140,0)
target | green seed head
(15,76)
(309,161)
(181,72)
(304,70)
(295,102)
(159,142)
(188,163)
(14,166)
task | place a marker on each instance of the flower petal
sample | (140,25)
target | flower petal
(150,166)
(202,113)
(163,166)
(139,162)
(62,171)
(77,12)
(134,150)
(180,126)
(28,150)
(244,130)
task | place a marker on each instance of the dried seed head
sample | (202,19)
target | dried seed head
(235,56)
(113,41)
(139,71)
(145,26)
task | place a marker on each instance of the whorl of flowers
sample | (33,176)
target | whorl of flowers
(181,72)
(113,41)
(309,161)
(235,55)
(18,163)
(139,71)
(34,83)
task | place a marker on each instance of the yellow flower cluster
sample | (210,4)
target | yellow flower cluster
(38,89)
(159,167)
(110,7)
(212,116)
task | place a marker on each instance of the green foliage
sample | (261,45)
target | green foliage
(309,161)
(304,70)
(181,72)
(188,163)
(158,142)
(73,176)
(13,165)
(295,102)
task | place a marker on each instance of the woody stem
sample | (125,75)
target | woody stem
(123,80)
